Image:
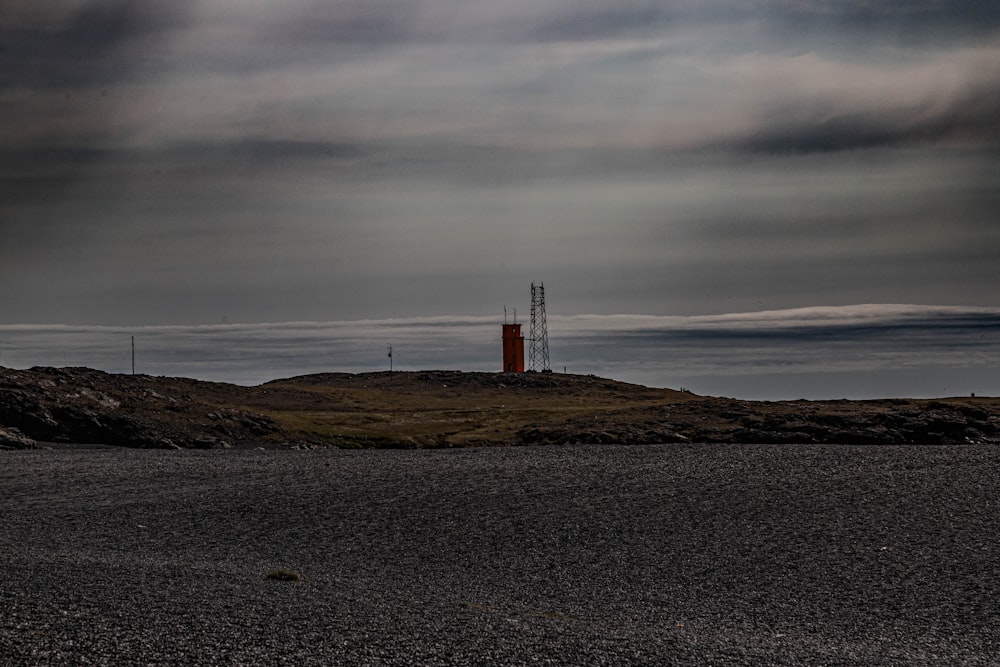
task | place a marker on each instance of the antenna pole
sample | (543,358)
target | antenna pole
(133,355)
(538,353)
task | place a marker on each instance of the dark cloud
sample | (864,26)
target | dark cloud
(34,175)
(98,43)
(370,23)
(943,330)
(98,28)
(972,117)
(931,13)
(604,22)
(910,21)
(269,150)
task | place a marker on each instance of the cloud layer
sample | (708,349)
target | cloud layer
(182,163)
(849,352)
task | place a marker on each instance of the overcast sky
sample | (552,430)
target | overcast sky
(207,161)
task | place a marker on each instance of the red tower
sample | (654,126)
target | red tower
(513,349)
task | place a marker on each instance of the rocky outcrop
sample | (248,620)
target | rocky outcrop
(11,438)
(85,406)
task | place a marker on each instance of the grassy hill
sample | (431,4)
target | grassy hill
(450,409)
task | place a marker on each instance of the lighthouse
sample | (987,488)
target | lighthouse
(513,349)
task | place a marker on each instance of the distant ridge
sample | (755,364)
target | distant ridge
(446,408)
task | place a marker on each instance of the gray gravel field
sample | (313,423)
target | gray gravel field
(679,554)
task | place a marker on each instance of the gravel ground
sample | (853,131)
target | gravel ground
(679,554)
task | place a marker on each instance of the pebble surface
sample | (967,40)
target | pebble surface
(673,554)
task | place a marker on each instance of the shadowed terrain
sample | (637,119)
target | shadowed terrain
(449,409)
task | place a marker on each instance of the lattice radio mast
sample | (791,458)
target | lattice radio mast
(538,353)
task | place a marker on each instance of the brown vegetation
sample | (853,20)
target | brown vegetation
(451,409)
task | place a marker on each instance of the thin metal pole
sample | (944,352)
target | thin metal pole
(133,355)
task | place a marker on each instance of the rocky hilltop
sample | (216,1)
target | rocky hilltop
(448,409)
